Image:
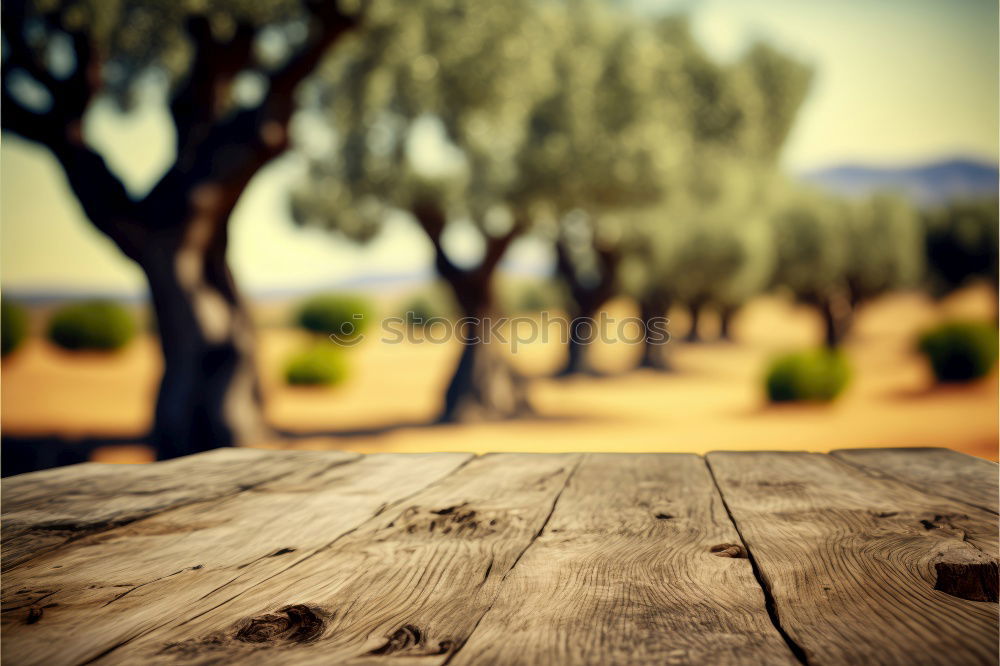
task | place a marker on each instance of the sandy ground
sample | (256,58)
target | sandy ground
(712,401)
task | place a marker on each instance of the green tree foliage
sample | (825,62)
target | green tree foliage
(464,75)
(13,326)
(836,255)
(886,244)
(91,326)
(810,376)
(961,245)
(710,243)
(608,143)
(960,351)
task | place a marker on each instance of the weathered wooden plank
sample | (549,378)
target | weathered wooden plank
(852,561)
(628,570)
(44,510)
(75,604)
(408,585)
(936,471)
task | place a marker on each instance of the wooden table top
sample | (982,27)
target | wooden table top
(878,556)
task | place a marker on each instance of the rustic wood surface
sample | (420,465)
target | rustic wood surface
(874,556)
(850,559)
(937,471)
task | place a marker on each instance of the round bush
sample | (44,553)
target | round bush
(320,365)
(960,351)
(418,311)
(335,314)
(96,325)
(13,326)
(815,376)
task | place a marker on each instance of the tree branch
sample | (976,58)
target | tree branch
(33,126)
(496,247)
(227,153)
(14,18)
(206,91)
(589,297)
(432,219)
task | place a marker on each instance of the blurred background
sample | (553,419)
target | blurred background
(196,194)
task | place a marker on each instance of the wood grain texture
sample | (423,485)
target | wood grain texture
(107,589)
(408,586)
(44,510)
(625,573)
(935,471)
(852,561)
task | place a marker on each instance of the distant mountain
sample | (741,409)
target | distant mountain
(926,184)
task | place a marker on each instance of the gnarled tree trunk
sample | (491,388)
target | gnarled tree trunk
(694,312)
(583,332)
(654,354)
(209,393)
(587,299)
(726,315)
(838,316)
(484,386)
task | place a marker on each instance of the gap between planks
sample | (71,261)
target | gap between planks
(25,541)
(153,538)
(769,603)
(386,579)
(794,507)
(758,575)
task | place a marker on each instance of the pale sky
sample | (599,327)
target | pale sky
(897,82)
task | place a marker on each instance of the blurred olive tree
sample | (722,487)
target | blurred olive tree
(961,245)
(836,254)
(606,145)
(465,75)
(709,243)
(229,70)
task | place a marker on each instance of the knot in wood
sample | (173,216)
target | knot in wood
(968,579)
(403,638)
(728,550)
(297,623)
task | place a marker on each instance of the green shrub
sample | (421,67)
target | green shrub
(815,376)
(335,314)
(323,364)
(13,326)
(418,311)
(960,351)
(97,325)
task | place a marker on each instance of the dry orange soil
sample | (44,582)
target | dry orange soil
(713,400)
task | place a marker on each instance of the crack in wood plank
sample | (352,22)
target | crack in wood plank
(853,570)
(552,510)
(150,582)
(229,534)
(391,573)
(949,474)
(38,502)
(765,586)
(609,581)
(382,508)
(520,558)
